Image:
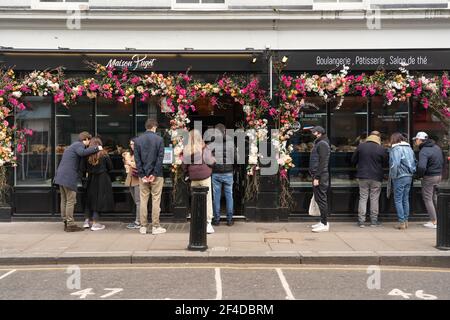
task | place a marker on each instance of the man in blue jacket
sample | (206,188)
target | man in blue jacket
(67,176)
(149,156)
(429,168)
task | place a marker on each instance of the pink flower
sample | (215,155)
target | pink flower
(425,103)
(19,148)
(93,86)
(213,101)
(389,95)
(135,80)
(13,101)
(272,112)
(2,92)
(21,106)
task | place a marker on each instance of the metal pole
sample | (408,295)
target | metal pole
(197,236)
(443,219)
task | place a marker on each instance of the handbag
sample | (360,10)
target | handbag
(313,208)
(134,172)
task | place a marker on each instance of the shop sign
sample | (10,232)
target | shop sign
(137,62)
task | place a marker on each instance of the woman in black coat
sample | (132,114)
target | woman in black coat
(98,186)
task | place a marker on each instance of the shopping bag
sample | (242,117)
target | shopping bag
(313,208)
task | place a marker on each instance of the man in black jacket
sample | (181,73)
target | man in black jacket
(223,175)
(318,169)
(369,158)
(429,168)
(149,156)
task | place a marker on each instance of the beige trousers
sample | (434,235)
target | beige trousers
(68,201)
(155,190)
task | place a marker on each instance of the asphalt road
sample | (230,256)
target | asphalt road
(223,282)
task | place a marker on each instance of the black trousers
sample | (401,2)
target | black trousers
(320,195)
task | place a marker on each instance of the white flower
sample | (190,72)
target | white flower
(17,94)
(253,159)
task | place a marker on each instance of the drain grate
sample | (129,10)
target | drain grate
(278,240)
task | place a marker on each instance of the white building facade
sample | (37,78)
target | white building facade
(210,38)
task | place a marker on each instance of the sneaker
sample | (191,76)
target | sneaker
(97,227)
(375,224)
(322,228)
(215,222)
(400,226)
(86,224)
(317,225)
(143,230)
(430,225)
(133,225)
(158,230)
(361,224)
(209,228)
(73,228)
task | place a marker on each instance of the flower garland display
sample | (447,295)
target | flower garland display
(179,94)
(11,138)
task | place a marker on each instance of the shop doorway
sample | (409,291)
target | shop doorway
(230,114)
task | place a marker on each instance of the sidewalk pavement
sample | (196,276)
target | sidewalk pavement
(246,242)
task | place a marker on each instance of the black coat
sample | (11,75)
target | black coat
(320,157)
(98,185)
(370,158)
(431,159)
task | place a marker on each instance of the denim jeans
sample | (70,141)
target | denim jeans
(402,186)
(225,179)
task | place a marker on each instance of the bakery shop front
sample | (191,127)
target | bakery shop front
(55,127)
(347,124)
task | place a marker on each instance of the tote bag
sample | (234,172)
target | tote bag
(313,208)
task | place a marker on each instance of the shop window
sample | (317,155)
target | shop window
(437,129)
(388,119)
(314,114)
(70,122)
(114,127)
(349,124)
(34,162)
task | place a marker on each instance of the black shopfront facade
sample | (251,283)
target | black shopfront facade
(55,127)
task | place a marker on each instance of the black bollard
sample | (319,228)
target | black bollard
(197,236)
(443,219)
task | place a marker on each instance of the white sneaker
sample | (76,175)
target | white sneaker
(86,224)
(158,230)
(209,228)
(317,225)
(97,227)
(322,228)
(143,230)
(430,225)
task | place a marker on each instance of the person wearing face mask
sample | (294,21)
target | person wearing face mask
(318,169)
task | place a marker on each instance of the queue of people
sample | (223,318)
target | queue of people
(144,167)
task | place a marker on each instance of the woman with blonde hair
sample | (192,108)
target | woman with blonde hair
(197,166)
(99,187)
(132,181)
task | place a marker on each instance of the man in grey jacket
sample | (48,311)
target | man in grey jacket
(429,168)
(67,176)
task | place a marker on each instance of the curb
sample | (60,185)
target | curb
(406,259)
